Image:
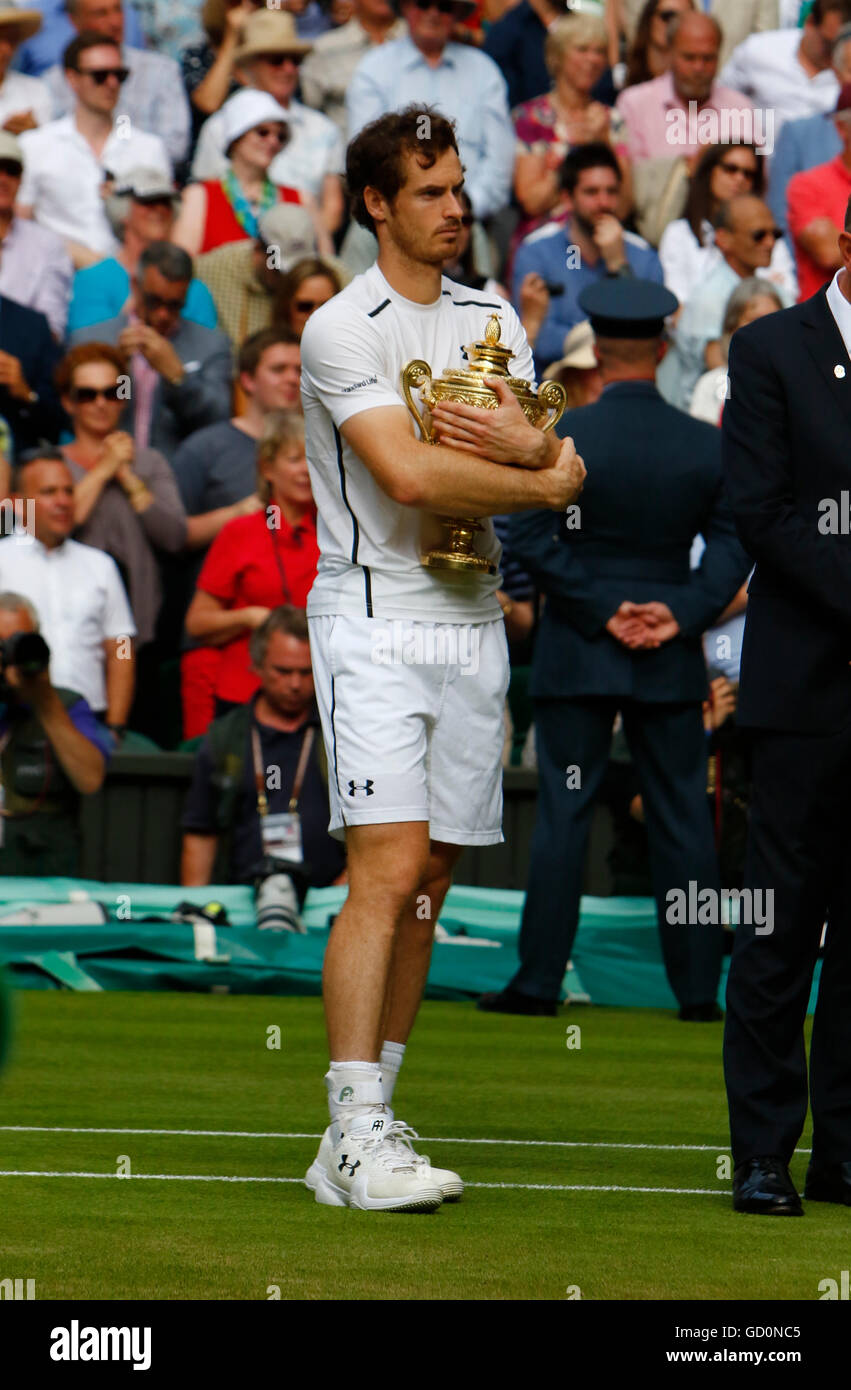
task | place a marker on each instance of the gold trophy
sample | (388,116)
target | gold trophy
(467,384)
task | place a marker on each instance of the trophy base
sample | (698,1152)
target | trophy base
(464,564)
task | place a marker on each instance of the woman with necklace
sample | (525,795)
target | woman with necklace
(229,209)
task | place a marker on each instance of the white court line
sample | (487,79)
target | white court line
(423,1138)
(217,1177)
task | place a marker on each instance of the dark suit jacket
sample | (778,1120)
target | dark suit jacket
(203,397)
(654,482)
(25,334)
(787,448)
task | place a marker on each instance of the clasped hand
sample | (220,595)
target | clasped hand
(643,626)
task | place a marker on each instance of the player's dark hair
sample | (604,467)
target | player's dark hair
(595,155)
(256,344)
(88,39)
(376,157)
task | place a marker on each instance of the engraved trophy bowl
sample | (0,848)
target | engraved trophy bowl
(488,357)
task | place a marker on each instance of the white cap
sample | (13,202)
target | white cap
(247,109)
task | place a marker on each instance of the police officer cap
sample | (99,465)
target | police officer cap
(625,307)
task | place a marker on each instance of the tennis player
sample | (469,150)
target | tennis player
(410,663)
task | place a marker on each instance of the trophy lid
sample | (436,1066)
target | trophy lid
(488,355)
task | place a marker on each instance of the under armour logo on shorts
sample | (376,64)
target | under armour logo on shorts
(365,787)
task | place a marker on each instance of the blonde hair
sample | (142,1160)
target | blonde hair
(280,429)
(568,32)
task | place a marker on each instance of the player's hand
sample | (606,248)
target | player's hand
(564,481)
(503,435)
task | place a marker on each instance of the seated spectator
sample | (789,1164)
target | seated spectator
(152,96)
(687,250)
(268,61)
(808,140)
(216,471)
(745,235)
(227,209)
(227,836)
(738,19)
(816,201)
(126,500)
(590,246)
(68,164)
(181,372)
(39,53)
(141,211)
(245,277)
(76,590)
(649,54)
(549,126)
(52,753)
(428,67)
(308,285)
(463,266)
(788,71)
(327,70)
(208,64)
(516,43)
(24,101)
(28,355)
(258,561)
(751,299)
(578,370)
(35,268)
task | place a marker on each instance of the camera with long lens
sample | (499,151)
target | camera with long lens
(27,652)
(278,891)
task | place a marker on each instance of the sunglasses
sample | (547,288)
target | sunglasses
(467,220)
(277,60)
(444,6)
(749,174)
(86,395)
(11,167)
(774,232)
(101,75)
(264,131)
(306,306)
(667,15)
(156,301)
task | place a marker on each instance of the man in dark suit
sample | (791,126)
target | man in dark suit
(621,631)
(787,440)
(181,372)
(28,355)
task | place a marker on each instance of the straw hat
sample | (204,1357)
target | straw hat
(269,31)
(28,21)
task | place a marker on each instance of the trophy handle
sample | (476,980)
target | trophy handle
(415,374)
(553,397)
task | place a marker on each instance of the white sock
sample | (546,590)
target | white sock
(353,1087)
(392,1056)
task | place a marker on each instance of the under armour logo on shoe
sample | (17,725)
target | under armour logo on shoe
(365,787)
(346,1164)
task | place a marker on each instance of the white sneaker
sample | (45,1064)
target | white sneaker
(449,1183)
(357,1167)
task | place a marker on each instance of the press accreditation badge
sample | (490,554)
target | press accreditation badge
(282,836)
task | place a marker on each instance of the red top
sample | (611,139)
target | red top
(240,570)
(222,225)
(819,192)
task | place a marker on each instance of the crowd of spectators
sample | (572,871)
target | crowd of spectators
(172,210)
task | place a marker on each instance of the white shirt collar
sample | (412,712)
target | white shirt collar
(841,310)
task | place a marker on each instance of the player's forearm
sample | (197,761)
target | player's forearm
(443,479)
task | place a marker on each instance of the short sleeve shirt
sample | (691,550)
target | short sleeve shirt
(353,351)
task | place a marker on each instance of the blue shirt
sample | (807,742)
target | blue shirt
(466,86)
(84,721)
(801,145)
(100,292)
(548,253)
(47,46)
(516,44)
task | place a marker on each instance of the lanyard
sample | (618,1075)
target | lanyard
(260,781)
(278,561)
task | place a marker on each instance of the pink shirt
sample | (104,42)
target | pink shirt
(659,124)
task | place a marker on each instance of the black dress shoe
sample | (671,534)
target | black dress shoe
(762,1185)
(828,1182)
(509,1001)
(701,1013)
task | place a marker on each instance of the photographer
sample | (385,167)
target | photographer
(257,810)
(52,752)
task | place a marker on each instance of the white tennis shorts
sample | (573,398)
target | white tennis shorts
(413,719)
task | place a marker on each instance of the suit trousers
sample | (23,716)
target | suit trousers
(798,849)
(668,746)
